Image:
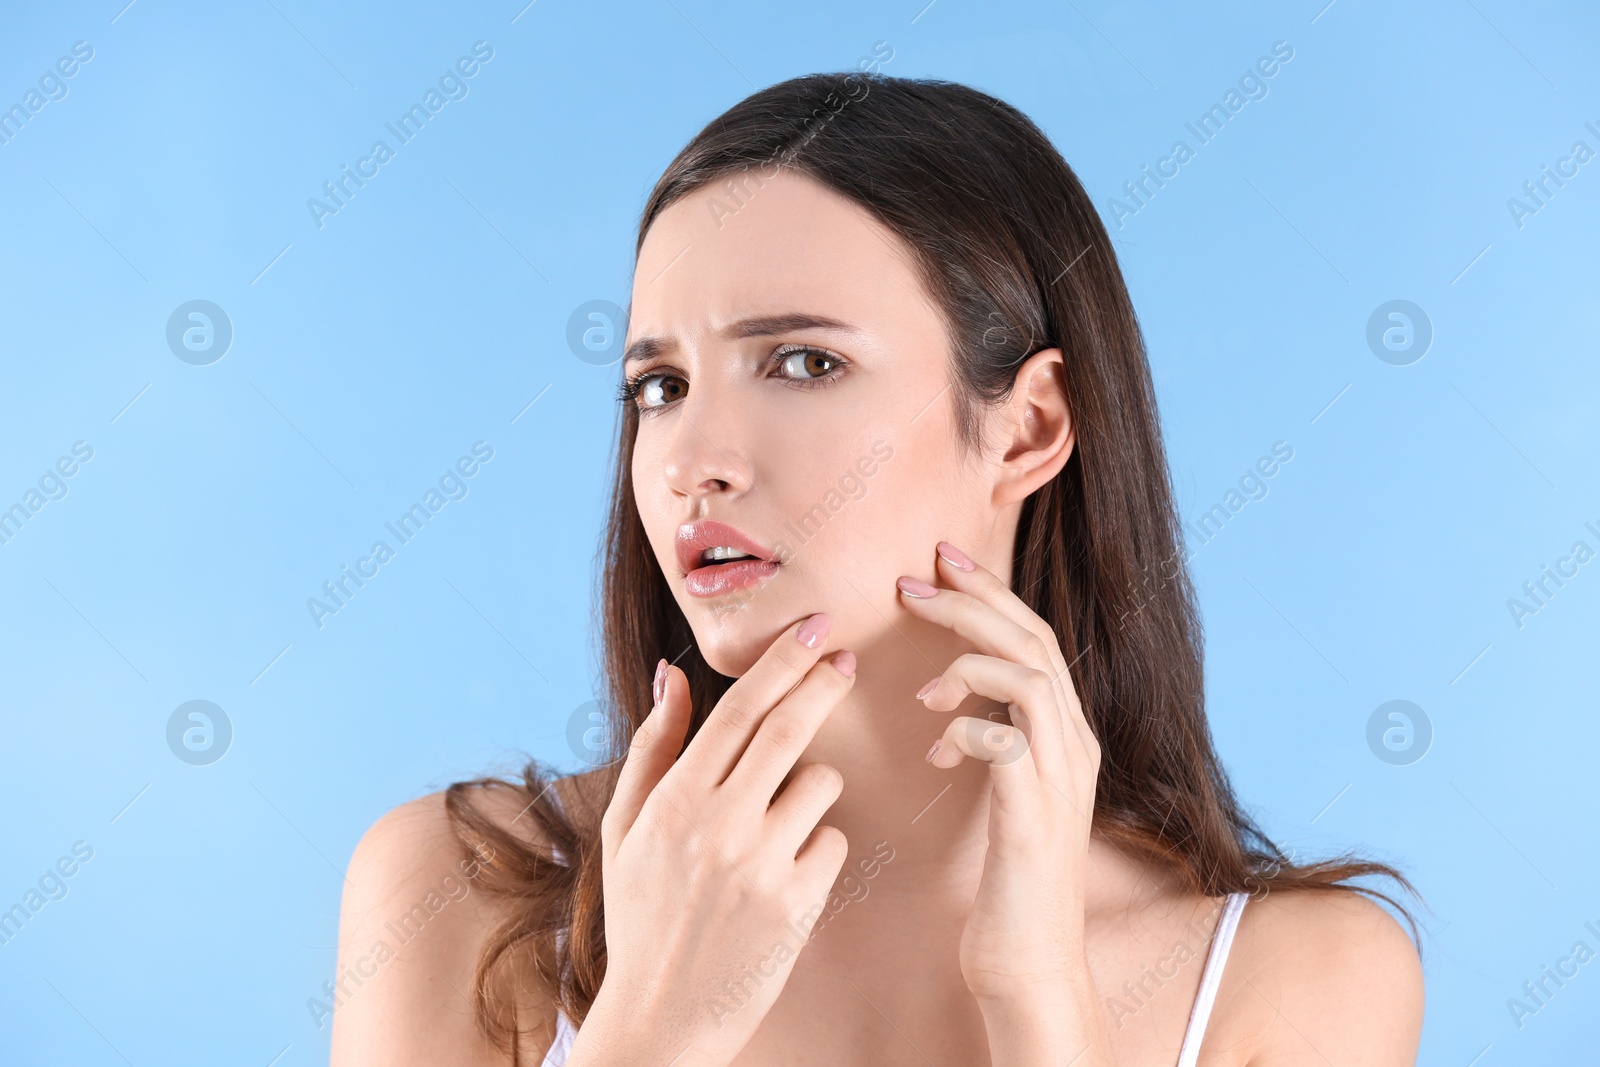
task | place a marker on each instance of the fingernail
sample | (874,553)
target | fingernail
(844,662)
(934,751)
(814,630)
(925,690)
(955,557)
(918,589)
(658,689)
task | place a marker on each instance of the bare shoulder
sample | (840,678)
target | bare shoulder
(413,921)
(1321,976)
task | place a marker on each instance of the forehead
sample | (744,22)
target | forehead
(744,246)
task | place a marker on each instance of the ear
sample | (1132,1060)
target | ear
(1039,434)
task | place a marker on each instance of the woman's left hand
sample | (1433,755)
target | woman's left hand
(1023,943)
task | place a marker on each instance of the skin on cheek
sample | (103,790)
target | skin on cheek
(647,500)
(855,507)
(920,494)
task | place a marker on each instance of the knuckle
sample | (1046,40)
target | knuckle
(784,732)
(1039,686)
(825,779)
(1034,648)
(974,734)
(770,881)
(662,810)
(832,842)
(835,685)
(699,850)
(738,715)
(964,664)
(965,605)
(822,685)
(794,656)
(643,741)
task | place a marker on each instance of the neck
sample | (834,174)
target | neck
(935,821)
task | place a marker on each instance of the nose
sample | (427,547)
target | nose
(703,459)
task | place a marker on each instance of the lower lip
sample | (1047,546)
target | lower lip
(722,578)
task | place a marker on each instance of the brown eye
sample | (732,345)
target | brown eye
(660,390)
(807,363)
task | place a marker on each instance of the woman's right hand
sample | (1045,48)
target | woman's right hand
(711,882)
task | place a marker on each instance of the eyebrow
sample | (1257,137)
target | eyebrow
(646,348)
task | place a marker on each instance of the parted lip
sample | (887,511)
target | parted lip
(695,537)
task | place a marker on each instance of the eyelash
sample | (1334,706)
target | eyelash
(629,391)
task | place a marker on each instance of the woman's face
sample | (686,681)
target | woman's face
(793,380)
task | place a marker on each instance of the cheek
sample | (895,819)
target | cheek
(653,502)
(873,510)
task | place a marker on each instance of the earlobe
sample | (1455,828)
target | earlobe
(1042,431)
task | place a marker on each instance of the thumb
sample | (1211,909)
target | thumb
(652,751)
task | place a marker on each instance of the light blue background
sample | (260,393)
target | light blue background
(431,310)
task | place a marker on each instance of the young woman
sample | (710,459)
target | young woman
(889,477)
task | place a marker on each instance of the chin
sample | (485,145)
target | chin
(732,661)
(732,632)
(732,642)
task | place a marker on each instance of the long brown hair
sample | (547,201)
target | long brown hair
(1013,254)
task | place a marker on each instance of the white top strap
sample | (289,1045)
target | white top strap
(565,1036)
(1211,978)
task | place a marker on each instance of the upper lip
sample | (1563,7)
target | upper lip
(695,537)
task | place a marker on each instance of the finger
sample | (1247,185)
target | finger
(979,622)
(961,571)
(728,729)
(789,727)
(1031,695)
(802,804)
(652,751)
(819,862)
(1004,748)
